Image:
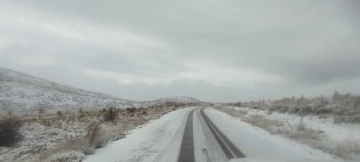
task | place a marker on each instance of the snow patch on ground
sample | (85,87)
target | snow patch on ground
(340,140)
(256,142)
(336,132)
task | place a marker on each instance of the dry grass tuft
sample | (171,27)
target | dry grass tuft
(262,122)
(347,119)
(232,112)
(347,149)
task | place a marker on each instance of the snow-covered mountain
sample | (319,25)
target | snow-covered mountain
(24,92)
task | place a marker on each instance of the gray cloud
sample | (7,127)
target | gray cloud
(308,43)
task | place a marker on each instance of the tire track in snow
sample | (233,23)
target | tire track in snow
(207,149)
(229,148)
(177,134)
(187,151)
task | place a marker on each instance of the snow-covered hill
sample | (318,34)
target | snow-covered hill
(177,99)
(23,92)
(180,99)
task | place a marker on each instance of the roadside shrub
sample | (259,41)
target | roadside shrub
(323,111)
(306,135)
(94,134)
(145,113)
(256,107)
(305,110)
(60,113)
(294,110)
(241,112)
(131,110)
(283,109)
(347,119)
(41,110)
(110,114)
(9,131)
(262,122)
(347,149)
(82,113)
(238,104)
(88,151)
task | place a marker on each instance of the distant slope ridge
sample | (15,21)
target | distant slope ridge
(22,91)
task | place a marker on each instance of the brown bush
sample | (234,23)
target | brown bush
(82,113)
(60,113)
(9,131)
(238,104)
(110,114)
(94,134)
(130,110)
(145,113)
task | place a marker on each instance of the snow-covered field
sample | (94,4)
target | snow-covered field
(339,140)
(68,138)
(254,142)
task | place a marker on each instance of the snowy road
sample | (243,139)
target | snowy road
(196,134)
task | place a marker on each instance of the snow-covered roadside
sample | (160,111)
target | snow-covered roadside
(337,132)
(67,137)
(255,142)
(319,133)
(158,140)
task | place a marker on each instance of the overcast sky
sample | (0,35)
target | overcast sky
(214,50)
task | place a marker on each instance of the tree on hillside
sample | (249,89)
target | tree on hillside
(41,107)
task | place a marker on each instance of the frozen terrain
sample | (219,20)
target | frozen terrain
(160,142)
(54,122)
(67,137)
(340,140)
(23,93)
